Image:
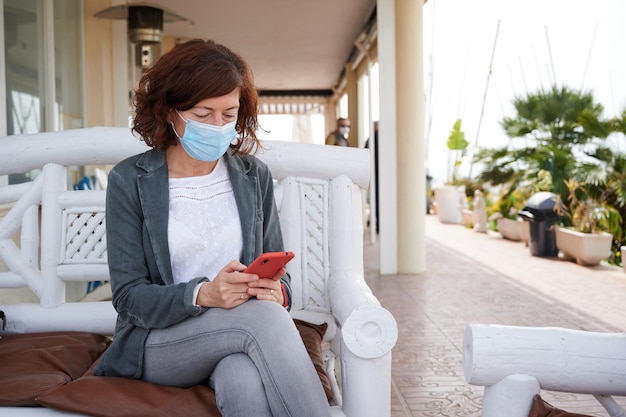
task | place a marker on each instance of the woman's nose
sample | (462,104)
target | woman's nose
(217,120)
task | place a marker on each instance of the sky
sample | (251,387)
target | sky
(578,44)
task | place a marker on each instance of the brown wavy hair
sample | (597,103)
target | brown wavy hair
(191,72)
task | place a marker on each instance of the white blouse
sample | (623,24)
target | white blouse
(204,230)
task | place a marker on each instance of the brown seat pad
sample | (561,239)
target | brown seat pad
(32,364)
(55,370)
(102,396)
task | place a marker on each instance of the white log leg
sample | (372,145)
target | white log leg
(366,385)
(54,182)
(511,397)
(610,405)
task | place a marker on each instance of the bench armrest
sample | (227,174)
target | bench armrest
(368,333)
(368,330)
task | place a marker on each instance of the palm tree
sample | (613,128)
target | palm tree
(606,179)
(551,131)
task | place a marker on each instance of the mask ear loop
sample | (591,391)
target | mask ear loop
(175,132)
(180,115)
(174,126)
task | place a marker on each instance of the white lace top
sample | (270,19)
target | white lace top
(204,230)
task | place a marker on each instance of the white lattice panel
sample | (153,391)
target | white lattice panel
(84,239)
(314,203)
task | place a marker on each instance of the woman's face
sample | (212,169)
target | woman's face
(216,111)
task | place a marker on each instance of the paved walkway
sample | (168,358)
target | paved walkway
(481,278)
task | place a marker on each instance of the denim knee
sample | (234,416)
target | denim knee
(238,387)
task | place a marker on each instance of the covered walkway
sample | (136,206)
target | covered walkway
(482,278)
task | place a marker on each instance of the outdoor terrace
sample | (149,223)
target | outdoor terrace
(481,278)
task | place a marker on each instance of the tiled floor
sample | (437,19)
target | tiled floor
(481,278)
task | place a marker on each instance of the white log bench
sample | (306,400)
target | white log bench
(319,196)
(514,363)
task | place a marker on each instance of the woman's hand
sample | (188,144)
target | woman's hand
(269,289)
(228,289)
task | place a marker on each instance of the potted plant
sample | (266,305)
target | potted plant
(471,190)
(583,237)
(507,221)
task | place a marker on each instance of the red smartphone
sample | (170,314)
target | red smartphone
(268,264)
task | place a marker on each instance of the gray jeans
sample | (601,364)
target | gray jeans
(251,355)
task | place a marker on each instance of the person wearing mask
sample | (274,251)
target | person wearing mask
(183,221)
(339,136)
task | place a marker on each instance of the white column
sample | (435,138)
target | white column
(120,68)
(410,136)
(387,176)
(351,91)
(401,137)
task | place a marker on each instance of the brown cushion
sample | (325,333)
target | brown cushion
(100,396)
(104,396)
(312,335)
(32,364)
(540,408)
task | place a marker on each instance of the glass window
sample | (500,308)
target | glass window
(69,103)
(24,58)
(26,66)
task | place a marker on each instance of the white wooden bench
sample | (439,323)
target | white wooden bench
(514,363)
(319,198)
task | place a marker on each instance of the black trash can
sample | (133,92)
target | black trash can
(539,212)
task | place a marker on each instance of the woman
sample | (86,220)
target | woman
(183,221)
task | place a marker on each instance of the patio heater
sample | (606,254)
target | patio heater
(145,26)
(145,20)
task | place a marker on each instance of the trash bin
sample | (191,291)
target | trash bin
(539,212)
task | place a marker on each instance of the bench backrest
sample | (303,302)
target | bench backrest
(62,232)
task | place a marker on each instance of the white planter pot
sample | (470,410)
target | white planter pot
(623,249)
(468,218)
(524,231)
(586,248)
(449,204)
(509,228)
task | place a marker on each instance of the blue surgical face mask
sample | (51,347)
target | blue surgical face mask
(206,142)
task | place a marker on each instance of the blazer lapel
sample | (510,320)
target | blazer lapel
(153,188)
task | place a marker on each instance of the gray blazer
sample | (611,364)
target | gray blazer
(144,294)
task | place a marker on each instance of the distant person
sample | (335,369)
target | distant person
(367,145)
(339,136)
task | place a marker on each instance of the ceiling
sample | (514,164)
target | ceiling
(290,44)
